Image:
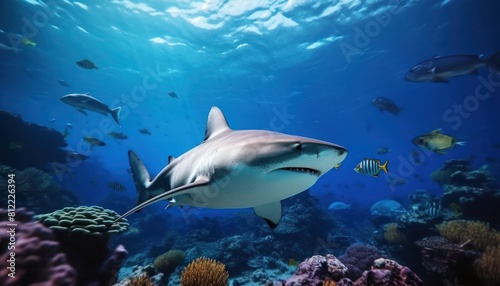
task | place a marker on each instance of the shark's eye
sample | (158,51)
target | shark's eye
(298,147)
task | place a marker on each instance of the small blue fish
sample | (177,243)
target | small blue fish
(371,167)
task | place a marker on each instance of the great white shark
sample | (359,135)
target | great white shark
(237,169)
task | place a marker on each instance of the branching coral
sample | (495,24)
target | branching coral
(478,233)
(168,261)
(142,280)
(204,271)
(488,266)
(393,235)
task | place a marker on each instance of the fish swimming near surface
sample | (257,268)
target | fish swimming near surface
(145,131)
(383,150)
(440,69)
(385,104)
(117,186)
(63,82)
(86,64)
(173,94)
(371,167)
(338,206)
(84,102)
(437,142)
(118,135)
(237,169)
(94,141)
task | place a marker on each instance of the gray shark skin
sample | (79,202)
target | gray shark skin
(237,169)
(84,102)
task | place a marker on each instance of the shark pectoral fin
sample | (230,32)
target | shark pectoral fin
(165,196)
(271,213)
(81,110)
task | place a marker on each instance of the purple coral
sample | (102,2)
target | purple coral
(36,257)
(385,272)
(315,270)
(358,258)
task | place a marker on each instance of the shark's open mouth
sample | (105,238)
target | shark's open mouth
(302,170)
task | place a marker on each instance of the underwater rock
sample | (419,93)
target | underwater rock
(20,150)
(358,258)
(315,270)
(442,175)
(84,234)
(37,260)
(36,190)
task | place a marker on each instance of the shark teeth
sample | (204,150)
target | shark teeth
(299,169)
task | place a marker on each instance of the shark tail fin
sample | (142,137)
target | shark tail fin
(116,113)
(141,176)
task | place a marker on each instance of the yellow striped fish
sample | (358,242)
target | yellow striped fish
(371,167)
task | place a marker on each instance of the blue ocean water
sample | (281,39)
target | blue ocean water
(307,68)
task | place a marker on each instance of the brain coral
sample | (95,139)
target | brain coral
(167,262)
(204,271)
(93,220)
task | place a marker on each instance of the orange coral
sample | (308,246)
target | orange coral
(488,265)
(329,283)
(393,235)
(477,232)
(142,280)
(204,271)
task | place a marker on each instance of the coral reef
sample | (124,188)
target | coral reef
(84,234)
(204,271)
(167,262)
(36,259)
(488,266)
(36,190)
(442,175)
(393,236)
(20,151)
(316,269)
(442,257)
(478,233)
(385,272)
(145,274)
(93,220)
(472,190)
(142,280)
(358,258)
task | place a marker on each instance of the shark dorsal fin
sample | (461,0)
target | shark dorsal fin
(170,159)
(216,123)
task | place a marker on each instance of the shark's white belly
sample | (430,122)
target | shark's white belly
(248,188)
